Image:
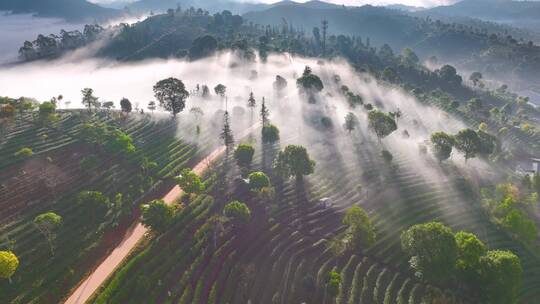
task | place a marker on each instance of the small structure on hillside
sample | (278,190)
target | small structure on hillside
(529,166)
(326,202)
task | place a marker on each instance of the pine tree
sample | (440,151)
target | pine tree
(226,133)
(251,101)
(265,113)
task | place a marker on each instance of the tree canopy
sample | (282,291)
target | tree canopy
(237,212)
(171,94)
(441,144)
(190,182)
(468,143)
(360,230)
(47,223)
(381,123)
(244,155)
(270,133)
(8,264)
(157,215)
(258,180)
(294,161)
(309,81)
(433,251)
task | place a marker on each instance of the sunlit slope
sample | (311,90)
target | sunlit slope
(51,179)
(281,256)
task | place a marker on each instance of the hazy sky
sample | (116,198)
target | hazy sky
(424,3)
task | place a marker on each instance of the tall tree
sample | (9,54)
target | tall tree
(220,90)
(152,106)
(244,155)
(226,133)
(381,123)
(433,251)
(500,277)
(265,113)
(171,94)
(237,212)
(441,144)
(360,230)
(190,182)
(294,161)
(157,215)
(468,143)
(351,122)
(324,33)
(125,105)
(89,100)
(47,224)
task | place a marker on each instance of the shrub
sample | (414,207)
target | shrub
(237,212)
(24,153)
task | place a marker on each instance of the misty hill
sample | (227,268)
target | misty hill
(520,13)
(71,10)
(211,6)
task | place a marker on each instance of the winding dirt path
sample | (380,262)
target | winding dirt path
(87,288)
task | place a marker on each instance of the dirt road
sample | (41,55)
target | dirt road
(87,288)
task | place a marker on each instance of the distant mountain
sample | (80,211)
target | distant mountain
(71,10)
(212,6)
(519,13)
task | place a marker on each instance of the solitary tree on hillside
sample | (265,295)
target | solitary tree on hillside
(8,264)
(190,182)
(442,144)
(152,106)
(280,84)
(467,142)
(226,133)
(381,123)
(220,90)
(500,277)
(351,122)
(157,215)
(108,105)
(89,100)
(265,113)
(270,133)
(47,224)
(294,161)
(433,251)
(125,105)
(258,180)
(171,94)
(360,230)
(309,82)
(237,212)
(252,103)
(244,155)
(475,77)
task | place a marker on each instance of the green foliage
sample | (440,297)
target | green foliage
(125,105)
(46,108)
(111,138)
(258,180)
(203,46)
(94,202)
(442,144)
(8,264)
(351,122)
(433,251)
(470,249)
(24,153)
(381,123)
(237,212)
(157,215)
(294,161)
(244,155)
(488,143)
(190,182)
(309,81)
(7,111)
(220,90)
(89,100)
(333,283)
(468,143)
(226,133)
(360,230)
(171,94)
(47,224)
(500,273)
(518,223)
(270,133)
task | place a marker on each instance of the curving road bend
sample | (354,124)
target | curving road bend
(87,288)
